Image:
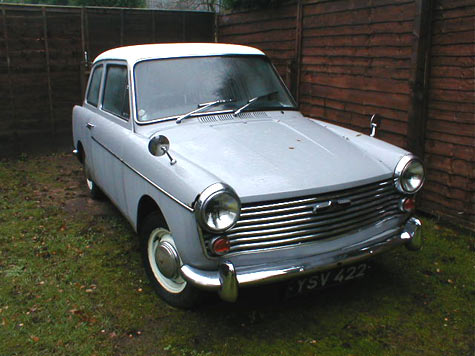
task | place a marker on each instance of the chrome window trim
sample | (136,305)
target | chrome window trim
(205,113)
(101,83)
(190,209)
(103,87)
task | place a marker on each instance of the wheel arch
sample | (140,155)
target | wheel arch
(146,206)
(81,153)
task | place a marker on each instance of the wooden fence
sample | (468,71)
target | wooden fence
(42,65)
(411,61)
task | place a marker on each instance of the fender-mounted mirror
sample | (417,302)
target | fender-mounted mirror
(375,123)
(159,146)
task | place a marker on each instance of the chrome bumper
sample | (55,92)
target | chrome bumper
(227,280)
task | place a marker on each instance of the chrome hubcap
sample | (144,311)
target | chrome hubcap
(164,261)
(167,259)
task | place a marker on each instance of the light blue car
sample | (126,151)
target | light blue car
(203,150)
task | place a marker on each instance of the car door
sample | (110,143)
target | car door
(91,102)
(110,132)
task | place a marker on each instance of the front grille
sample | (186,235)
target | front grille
(292,221)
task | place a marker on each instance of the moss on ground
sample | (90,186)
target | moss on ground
(71,283)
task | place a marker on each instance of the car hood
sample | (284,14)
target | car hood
(274,157)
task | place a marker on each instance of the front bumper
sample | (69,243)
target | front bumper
(227,279)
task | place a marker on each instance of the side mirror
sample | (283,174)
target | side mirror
(159,146)
(375,122)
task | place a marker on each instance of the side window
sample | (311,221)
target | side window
(94,85)
(116,92)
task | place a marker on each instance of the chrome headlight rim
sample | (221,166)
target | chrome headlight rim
(206,197)
(403,164)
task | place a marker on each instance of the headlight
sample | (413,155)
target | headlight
(217,208)
(410,174)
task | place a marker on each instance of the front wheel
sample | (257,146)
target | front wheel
(162,264)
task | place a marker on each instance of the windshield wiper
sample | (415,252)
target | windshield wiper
(202,107)
(253,100)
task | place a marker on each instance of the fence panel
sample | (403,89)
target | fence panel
(450,130)
(411,61)
(356,59)
(42,65)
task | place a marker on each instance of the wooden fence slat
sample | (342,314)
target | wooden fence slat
(83,62)
(419,77)
(298,50)
(154,26)
(121,27)
(48,71)
(9,74)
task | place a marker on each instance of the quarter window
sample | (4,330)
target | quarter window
(116,92)
(94,85)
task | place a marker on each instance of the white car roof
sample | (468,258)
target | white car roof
(134,54)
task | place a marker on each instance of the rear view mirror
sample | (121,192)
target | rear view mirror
(375,123)
(159,146)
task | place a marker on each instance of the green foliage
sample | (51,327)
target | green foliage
(111,3)
(106,3)
(251,4)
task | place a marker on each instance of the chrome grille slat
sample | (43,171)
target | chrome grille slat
(288,222)
(311,219)
(374,194)
(300,239)
(307,228)
(249,219)
(342,194)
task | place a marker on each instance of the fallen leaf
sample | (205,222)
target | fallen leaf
(35,338)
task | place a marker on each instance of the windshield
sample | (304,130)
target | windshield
(167,88)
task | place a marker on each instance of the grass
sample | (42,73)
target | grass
(71,283)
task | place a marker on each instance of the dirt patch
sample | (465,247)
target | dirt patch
(67,188)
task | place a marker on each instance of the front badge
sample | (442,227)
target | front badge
(331,206)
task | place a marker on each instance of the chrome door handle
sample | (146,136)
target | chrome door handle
(89,125)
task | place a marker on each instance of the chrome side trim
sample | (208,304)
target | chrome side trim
(144,177)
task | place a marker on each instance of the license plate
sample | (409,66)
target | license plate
(326,279)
